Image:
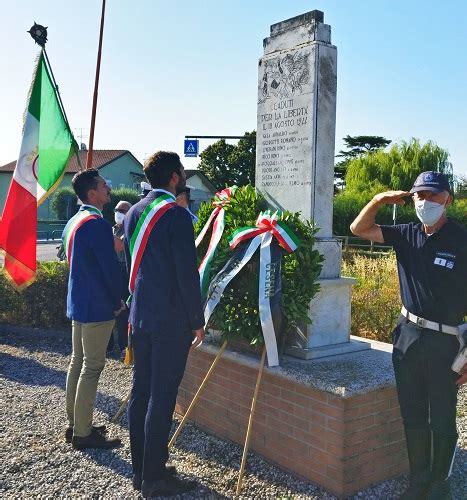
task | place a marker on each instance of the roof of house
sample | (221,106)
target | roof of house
(190,172)
(100,158)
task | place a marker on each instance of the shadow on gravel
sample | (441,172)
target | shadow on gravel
(228,455)
(29,372)
(459,475)
(110,460)
(36,339)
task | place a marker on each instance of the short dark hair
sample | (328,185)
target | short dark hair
(185,190)
(84,181)
(160,166)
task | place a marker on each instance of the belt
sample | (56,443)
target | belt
(431,325)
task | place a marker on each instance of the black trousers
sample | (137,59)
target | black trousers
(425,382)
(159,364)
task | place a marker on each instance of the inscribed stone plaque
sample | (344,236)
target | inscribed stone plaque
(296,121)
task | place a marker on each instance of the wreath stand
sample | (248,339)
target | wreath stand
(250,419)
(182,424)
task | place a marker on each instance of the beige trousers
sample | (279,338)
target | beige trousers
(87,362)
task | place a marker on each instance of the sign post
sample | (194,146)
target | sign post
(191,147)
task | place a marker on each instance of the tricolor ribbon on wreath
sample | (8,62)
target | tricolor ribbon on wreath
(216,219)
(270,235)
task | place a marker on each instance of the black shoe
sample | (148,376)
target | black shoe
(69,431)
(168,486)
(419,453)
(170,470)
(416,491)
(439,490)
(444,448)
(95,440)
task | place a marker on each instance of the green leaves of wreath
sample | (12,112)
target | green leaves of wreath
(237,313)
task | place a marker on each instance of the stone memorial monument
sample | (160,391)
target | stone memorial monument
(297,85)
(336,420)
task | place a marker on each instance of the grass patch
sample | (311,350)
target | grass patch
(376,301)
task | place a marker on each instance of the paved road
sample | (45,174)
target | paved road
(45,251)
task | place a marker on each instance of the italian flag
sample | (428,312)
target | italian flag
(45,150)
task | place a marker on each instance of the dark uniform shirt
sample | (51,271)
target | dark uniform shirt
(432,270)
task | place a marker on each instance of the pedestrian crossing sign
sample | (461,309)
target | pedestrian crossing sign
(191,147)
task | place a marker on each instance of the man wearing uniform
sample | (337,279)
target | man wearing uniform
(166,316)
(432,264)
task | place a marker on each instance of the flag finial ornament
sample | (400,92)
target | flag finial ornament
(39,34)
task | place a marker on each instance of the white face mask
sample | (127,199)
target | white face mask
(119,217)
(428,212)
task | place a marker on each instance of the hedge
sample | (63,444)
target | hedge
(43,304)
(375,297)
(64,202)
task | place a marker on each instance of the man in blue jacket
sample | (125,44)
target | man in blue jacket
(93,301)
(166,315)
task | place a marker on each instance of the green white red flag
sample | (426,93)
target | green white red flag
(45,150)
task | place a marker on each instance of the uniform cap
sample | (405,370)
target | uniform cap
(431,181)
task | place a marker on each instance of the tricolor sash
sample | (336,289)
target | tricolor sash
(73,225)
(147,220)
(270,234)
(221,199)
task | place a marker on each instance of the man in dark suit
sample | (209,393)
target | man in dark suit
(166,316)
(93,301)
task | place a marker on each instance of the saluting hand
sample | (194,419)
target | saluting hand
(391,197)
(198,337)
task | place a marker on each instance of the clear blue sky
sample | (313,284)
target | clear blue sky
(190,67)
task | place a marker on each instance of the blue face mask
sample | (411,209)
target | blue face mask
(428,212)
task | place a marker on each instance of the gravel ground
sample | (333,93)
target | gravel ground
(37,462)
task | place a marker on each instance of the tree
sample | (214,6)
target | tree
(396,168)
(64,203)
(460,190)
(227,164)
(357,146)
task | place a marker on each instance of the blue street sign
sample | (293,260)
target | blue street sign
(191,147)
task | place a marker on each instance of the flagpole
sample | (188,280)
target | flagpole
(59,97)
(39,35)
(96,87)
(49,67)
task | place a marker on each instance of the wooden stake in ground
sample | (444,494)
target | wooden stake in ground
(196,396)
(250,423)
(120,411)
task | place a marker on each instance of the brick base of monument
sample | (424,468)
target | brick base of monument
(341,442)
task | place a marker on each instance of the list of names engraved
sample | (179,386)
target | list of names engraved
(285,127)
